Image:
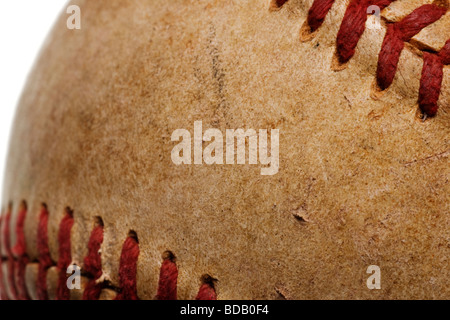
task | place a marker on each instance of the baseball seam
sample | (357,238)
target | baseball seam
(399,33)
(17,260)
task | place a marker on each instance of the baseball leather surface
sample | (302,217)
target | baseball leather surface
(363,118)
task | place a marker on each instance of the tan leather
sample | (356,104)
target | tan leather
(362,182)
(31,278)
(52,282)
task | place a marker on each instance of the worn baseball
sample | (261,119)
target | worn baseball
(243,149)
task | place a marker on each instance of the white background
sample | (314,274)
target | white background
(24,24)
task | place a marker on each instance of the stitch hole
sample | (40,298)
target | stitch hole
(336,64)
(168,255)
(132,234)
(98,222)
(376,93)
(69,211)
(420,116)
(23,205)
(209,280)
(277,4)
(306,32)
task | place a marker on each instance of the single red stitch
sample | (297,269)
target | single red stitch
(45,260)
(353,26)
(20,247)
(431,80)
(167,287)
(93,262)
(445,53)
(430,83)
(128,270)
(93,265)
(20,267)
(93,290)
(318,12)
(65,255)
(9,253)
(206,292)
(19,251)
(207,289)
(3,295)
(399,33)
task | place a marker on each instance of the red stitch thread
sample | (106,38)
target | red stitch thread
(19,251)
(3,295)
(9,253)
(353,26)
(65,255)
(207,290)
(431,80)
(318,12)
(401,32)
(93,265)
(167,287)
(445,53)
(45,261)
(128,270)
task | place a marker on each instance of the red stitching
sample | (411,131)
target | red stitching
(318,12)
(401,32)
(65,255)
(93,265)
(431,80)
(10,263)
(3,294)
(19,251)
(445,53)
(349,34)
(353,26)
(45,260)
(128,270)
(167,286)
(207,290)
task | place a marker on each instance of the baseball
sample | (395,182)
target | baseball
(251,149)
